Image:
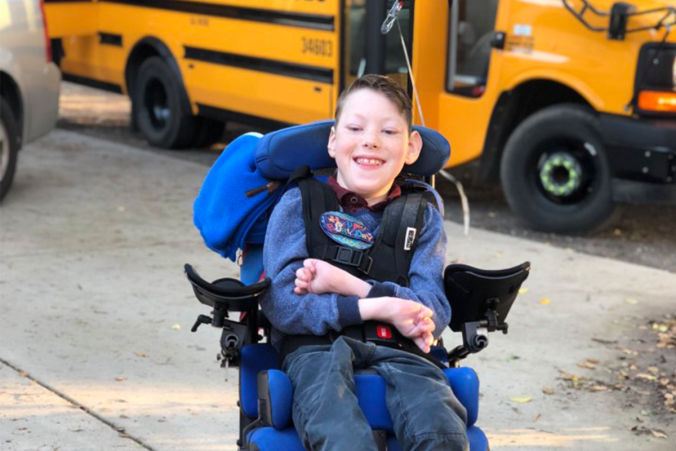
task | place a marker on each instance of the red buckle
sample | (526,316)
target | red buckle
(383,332)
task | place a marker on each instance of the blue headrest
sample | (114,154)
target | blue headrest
(279,153)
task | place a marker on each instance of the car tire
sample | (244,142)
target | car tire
(9,147)
(555,173)
(162,113)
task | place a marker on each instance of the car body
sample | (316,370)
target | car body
(29,82)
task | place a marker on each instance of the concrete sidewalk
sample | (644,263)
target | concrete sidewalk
(95,343)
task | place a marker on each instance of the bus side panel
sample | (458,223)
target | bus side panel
(71,18)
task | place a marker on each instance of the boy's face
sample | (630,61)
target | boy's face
(371,143)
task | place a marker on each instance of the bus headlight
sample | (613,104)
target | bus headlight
(656,80)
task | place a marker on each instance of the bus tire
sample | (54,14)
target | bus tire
(555,173)
(207,132)
(161,113)
(9,147)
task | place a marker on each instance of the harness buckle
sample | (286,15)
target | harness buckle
(347,256)
(353,257)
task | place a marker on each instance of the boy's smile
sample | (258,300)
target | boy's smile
(371,143)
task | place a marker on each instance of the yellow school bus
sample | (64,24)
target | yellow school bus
(570,103)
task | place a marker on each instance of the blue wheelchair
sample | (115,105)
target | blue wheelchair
(480,301)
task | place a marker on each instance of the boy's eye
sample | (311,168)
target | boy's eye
(353,128)
(390,132)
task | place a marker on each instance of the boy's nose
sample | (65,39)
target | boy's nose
(371,140)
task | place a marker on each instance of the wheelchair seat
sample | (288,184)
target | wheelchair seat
(265,391)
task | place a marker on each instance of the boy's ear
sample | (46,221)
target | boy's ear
(332,143)
(414,147)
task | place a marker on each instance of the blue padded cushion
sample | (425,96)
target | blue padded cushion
(281,393)
(252,264)
(255,358)
(465,385)
(477,439)
(370,390)
(279,153)
(270,439)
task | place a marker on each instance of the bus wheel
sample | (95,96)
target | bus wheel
(161,114)
(9,147)
(554,171)
(207,131)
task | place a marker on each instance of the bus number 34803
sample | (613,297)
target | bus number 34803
(321,47)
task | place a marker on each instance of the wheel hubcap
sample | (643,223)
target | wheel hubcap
(561,174)
(157,104)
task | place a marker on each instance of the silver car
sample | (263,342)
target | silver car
(29,82)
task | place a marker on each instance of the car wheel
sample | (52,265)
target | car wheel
(162,115)
(9,147)
(555,173)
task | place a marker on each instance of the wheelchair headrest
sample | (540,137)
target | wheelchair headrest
(279,153)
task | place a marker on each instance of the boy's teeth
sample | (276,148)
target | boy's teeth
(368,161)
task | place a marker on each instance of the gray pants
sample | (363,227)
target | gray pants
(425,413)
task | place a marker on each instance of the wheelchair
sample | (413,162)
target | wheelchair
(480,301)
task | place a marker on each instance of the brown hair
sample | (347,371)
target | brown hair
(383,85)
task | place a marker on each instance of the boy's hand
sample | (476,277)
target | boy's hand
(317,276)
(412,319)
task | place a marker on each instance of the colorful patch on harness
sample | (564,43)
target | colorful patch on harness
(346,230)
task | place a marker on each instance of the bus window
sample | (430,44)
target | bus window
(473,36)
(357,33)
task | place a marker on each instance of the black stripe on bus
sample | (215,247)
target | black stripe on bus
(303,20)
(110,39)
(229,115)
(318,74)
(112,87)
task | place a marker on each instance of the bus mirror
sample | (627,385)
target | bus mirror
(618,20)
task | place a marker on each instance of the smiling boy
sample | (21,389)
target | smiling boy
(313,301)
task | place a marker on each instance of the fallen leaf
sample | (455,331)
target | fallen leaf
(592,360)
(176,327)
(523,290)
(630,301)
(648,377)
(545,301)
(120,378)
(522,399)
(598,388)
(548,390)
(536,417)
(141,354)
(588,365)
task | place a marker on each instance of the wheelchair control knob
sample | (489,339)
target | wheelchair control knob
(479,341)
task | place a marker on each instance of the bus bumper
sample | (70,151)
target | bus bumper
(642,155)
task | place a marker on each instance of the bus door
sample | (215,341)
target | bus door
(367,50)
(456,70)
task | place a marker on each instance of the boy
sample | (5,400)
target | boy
(310,300)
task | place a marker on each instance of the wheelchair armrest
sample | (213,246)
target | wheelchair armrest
(482,296)
(226,294)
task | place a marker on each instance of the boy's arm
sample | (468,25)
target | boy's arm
(425,274)
(283,254)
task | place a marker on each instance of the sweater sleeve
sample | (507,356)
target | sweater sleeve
(425,273)
(283,253)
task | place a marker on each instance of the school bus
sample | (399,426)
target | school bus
(570,103)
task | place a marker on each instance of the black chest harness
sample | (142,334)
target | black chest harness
(387,260)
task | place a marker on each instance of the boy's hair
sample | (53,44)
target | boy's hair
(383,85)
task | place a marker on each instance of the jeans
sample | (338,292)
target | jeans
(425,413)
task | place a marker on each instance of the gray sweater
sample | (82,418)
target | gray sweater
(317,314)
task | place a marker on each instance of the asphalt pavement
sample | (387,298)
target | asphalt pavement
(95,344)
